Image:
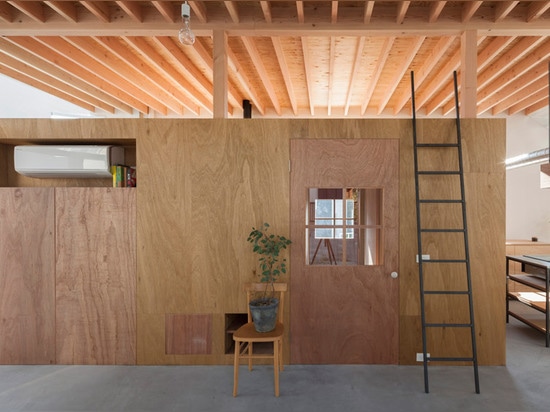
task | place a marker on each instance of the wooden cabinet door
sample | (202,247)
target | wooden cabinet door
(96,276)
(27,276)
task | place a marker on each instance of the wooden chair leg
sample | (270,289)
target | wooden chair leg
(282,364)
(276,366)
(250,351)
(236,368)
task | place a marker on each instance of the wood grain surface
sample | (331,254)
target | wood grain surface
(95,276)
(27,276)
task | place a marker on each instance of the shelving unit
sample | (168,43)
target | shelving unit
(233,321)
(530,288)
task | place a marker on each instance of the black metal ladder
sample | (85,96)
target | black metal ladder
(433,271)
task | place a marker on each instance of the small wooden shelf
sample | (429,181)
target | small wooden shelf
(534,302)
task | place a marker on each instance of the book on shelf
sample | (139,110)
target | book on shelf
(124,176)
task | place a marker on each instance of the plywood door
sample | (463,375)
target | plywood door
(27,276)
(96,276)
(344,314)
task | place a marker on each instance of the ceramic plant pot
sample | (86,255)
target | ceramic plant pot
(264,314)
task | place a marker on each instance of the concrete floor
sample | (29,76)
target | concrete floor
(523,385)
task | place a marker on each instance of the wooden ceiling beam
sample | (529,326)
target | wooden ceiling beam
(24,49)
(440,88)
(167,11)
(528,102)
(468,75)
(132,9)
(354,72)
(233,10)
(100,9)
(287,77)
(148,77)
(523,63)
(520,50)
(266,10)
(332,56)
(170,79)
(367,14)
(541,104)
(334,12)
(262,72)
(491,51)
(33,9)
(87,80)
(41,75)
(307,70)
(185,64)
(485,58)
(446,98)
(416,43)
(380,64)
(199,9)
(513,79)
(300,12)
(525,88)
(220,76)
(234,96)
(402,8)
(503,9)
(45,87)
(428,64)
(536,9)
(123,74)
(6,14)
(435,10)
(469,9)
(65,9)
(244,82)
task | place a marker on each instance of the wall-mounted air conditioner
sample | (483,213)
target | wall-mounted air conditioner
(80,161)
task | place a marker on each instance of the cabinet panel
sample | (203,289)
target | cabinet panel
(27,276)
(96,276)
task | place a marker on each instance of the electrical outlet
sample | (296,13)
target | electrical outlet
(420,357)
(424,257)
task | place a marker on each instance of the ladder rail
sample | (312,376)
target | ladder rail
(464,230)
(465,225)
(419,243)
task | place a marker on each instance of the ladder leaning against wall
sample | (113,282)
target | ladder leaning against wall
(445,280)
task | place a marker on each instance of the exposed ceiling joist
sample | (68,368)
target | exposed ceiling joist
(289,58)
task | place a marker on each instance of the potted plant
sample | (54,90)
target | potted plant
(268,246)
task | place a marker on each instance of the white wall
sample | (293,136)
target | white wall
(18,100)
(527,206)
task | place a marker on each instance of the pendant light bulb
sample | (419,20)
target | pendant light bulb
(186,35)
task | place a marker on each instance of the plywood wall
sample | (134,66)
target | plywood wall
(95,276)
(202,184)
(27,276)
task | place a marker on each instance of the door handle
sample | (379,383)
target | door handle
(394,275)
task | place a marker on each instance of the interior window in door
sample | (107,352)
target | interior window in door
(344,226)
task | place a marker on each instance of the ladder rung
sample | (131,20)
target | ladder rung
(438,172)
(437,145)
(434,359)
(442,230)
(436,141)
(441,201)
(448,325)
